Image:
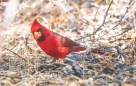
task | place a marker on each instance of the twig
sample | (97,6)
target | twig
(104,17)
(15,53)
(119,20)
(127,29)
(132,3)
(120,52)
(88,35)
(97,11)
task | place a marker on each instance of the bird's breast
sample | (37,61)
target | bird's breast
(53,48)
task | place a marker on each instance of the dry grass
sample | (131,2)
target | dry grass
(23,63)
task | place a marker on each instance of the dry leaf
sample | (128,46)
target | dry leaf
(110,56)
(103,60)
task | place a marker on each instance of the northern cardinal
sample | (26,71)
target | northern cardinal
(52,43)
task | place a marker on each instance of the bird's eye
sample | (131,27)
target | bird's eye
(39,30)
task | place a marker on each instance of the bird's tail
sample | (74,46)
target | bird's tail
(78,48)
(93,50)
(98,51)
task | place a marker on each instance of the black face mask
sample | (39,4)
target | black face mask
(42,37)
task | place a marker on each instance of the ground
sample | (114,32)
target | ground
(106,25)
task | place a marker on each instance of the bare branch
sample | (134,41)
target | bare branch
(15,53)
(118,21)
(104,18)
(97,10)
(87,35)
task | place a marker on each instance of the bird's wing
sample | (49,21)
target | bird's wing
(65,42)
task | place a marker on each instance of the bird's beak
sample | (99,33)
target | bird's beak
(37,35)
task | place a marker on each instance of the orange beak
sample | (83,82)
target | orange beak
(37,35)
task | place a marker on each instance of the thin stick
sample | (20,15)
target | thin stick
(15,53)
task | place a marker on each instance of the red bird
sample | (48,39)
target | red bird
(52,43)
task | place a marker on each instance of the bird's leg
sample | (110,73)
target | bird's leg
(54,60)
(63,60)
